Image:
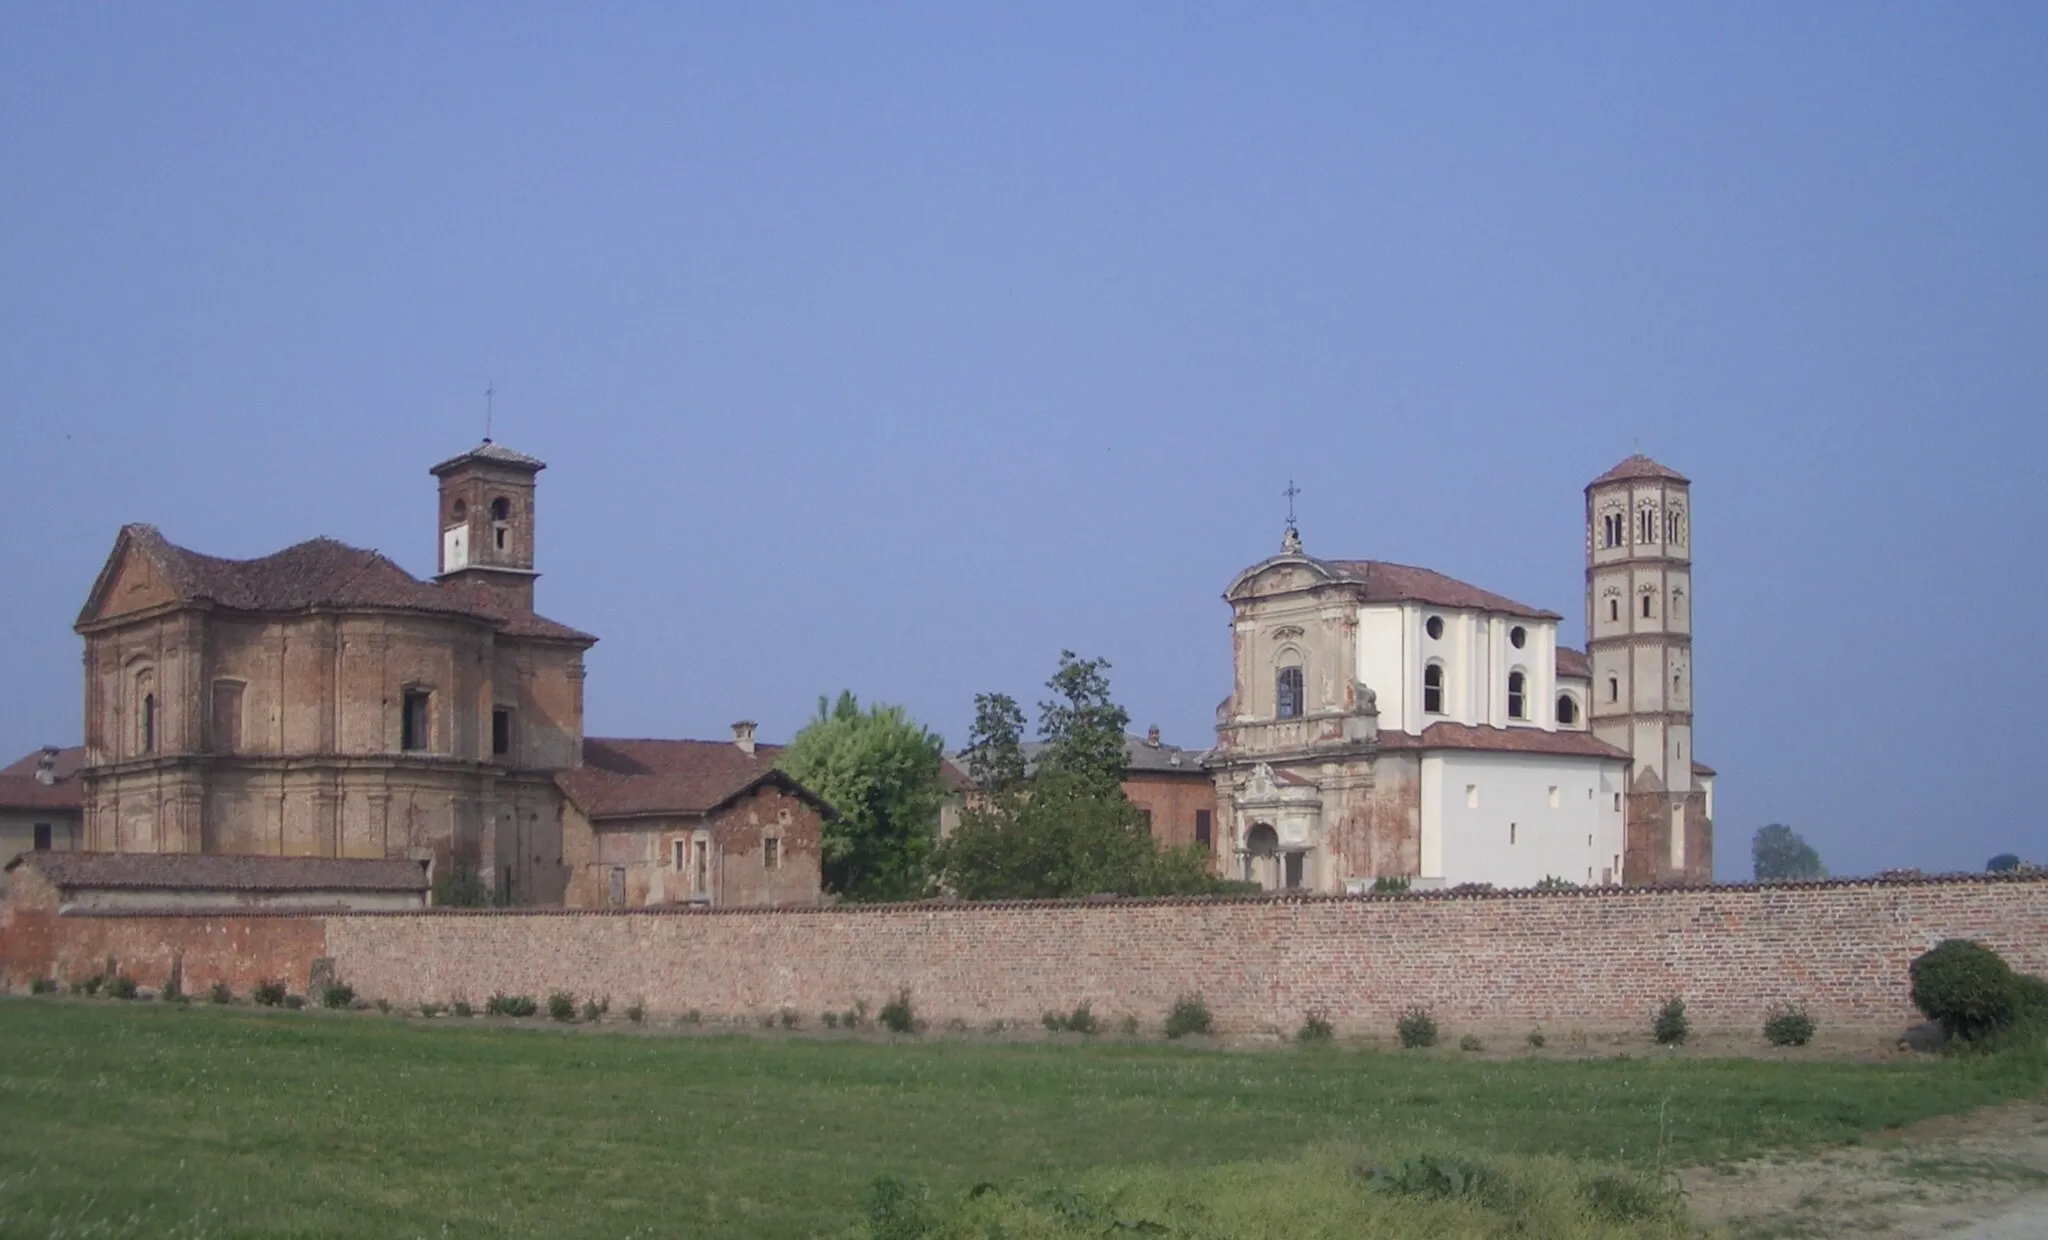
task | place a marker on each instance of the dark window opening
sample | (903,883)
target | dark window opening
(227,716)
(1517,696)
(1434,627)
(42,837)
(1646,606)
(1146,814)
(1517,636)
(1511,833)
(1613,689)
(460,511)
(501,515)
(149,723)
(1287,693)
(771,853)
(1646,526)
(501,732)
(1203,829)
(701,883)
(1433,689)
(1293,870)
(1614,609)
(1567,710)
(413,720)
(501,509)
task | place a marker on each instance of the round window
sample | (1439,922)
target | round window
(1434,627)
(1517,636)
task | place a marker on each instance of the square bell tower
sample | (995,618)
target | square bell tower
(485,518)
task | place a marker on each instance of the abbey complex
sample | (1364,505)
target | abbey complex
(1385,724)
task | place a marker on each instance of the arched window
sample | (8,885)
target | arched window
(1518,696)
(149,723)
(501,521)
(460,511)
(1610,530)
(501,509)
(1287,693)
(1567,709)
(1614,609)
(1614,688)
(1646,525)
(1646,604)
(1433,689)
(142,710)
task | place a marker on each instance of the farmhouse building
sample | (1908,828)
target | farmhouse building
(41,804)
(1390,722)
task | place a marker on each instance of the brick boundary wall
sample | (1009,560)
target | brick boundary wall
(1594,960)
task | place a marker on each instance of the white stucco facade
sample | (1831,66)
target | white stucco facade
(1513,820)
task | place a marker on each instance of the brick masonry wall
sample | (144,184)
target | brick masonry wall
(1596,960)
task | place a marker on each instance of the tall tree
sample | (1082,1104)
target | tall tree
(2002,863)
(879,770)
(1778,853)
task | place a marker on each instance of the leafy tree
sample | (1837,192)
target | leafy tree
(1068,830)
(879,770)
(2002,863)
(1779,853)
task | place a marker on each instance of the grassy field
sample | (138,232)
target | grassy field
(121,1120)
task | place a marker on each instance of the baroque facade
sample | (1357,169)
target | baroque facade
(1391,724)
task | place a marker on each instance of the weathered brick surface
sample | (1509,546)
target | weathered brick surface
(1593,960)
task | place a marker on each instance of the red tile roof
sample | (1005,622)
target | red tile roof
(20,789)
(219,872)
(1501,740)
(495,453)
(322,573)
(1381,582)
(623,778)
(1574,663)
(1638,466)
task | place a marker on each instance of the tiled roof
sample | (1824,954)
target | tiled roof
(496,453)
(1701,768)
(1501,740)
(214,872)
(1638,466)
(1574,663)
(20,789)
(1381,582)
(323,573)
(1140,757)
(625,778)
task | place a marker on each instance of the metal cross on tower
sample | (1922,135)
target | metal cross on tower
(1290,493)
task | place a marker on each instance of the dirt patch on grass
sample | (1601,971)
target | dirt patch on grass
(1946,1176)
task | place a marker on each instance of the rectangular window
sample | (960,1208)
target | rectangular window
(1202,828)
(771,853)
(678,854)
(1617,802)
(1287,693)
(227,716)
(1511,833)
(1471,796)
(42,837)
(701,881)
(617,894)
(1646,606)
(501,732)
(1293,870)
(1553,796)
(413,721)
(1146,814)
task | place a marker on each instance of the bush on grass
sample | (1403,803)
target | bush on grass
(1974,995)
(1190,1015)
(1316,1029)
(295,1002)
(1471,1042)
(430,1010)
(174,985)
(637,1012)
(1416,1029)
(337,995)
(595,1010)
(461,1008)
(829,1019)
(1671,1026)
(121,987)
(1788,1026)
(43,986)
(220,993)
(516,1006)
(789,1018)
(1081,1020)
(897,1016)
(1536,1039)
(268,994)
(562,1006)
(1128,1026)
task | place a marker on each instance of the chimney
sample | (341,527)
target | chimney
(46,766)
(1152,736)
(743,735)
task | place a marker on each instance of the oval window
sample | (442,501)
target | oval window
(1434,626)
(1517,636)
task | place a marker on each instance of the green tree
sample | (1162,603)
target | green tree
(2003,863)
(1778,853)
(879,770)
(1068,830)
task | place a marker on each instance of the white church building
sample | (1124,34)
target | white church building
(1390,722)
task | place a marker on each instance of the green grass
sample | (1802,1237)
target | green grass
(121,1120)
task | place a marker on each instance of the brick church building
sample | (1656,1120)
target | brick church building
(323,702)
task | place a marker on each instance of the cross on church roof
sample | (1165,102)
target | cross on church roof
(1290,493)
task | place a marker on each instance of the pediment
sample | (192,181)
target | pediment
(130,583)
(1283,574)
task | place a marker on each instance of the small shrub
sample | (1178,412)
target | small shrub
(593,1011)
(515,1006)
(1536,1039)
(897,1016)
(789,1018)
(461,1008)
(1966,988)
(1552,882)
(1316,1029)
(637,1012)
(1391,884)
(849,1019)
(430,1010)
(1054,1022)
(767,1020)
(1190,1015)
(957,1025)
(693,1017)
(860,1012)
(295,1002)
(1083,1020)
(1471,1042)
(86,985)
(337,995)
(1789,1026)
(1129,1025)
(829,1019)
(1453,1179)
(384,1006)
(1416,1028)
(897,1209)
(561,1006)
(43,986)
(121,987)
(1671,1027)
(220,993)
(174,985)
(268,994)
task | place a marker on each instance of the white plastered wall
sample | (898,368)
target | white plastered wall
(1472,799)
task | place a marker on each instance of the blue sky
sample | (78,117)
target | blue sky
(896,348)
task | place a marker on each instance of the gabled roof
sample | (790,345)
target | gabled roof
(1381,582)
(1502,740)
(317,574)
(217,872)
(494,453)
(20,789)
(1638,466)
(627,778)
(1574,663)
